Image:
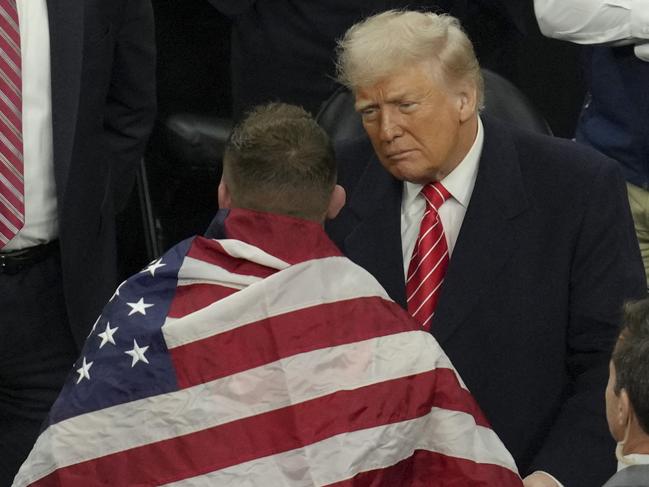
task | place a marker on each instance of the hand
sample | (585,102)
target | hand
(539,479)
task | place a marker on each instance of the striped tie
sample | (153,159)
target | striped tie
(429,259)
(12,206)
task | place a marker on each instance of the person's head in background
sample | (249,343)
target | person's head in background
(279,160)
(418,88)
(627,391)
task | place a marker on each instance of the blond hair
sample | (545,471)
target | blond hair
(383,44)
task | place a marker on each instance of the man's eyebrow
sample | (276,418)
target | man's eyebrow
(396,97)
(363,105)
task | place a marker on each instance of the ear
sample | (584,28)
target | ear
(624,408)
(337,201)
(467,100)
(224,197)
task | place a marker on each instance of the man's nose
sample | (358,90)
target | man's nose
(390,128)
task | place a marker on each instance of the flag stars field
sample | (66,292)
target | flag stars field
(107,335)
(154,266)
(139,307)
(137,353)
(84,370)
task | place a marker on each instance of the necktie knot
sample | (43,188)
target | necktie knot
(435,194)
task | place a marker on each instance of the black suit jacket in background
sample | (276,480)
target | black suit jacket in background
(531,301)
(103,106)
(284,50)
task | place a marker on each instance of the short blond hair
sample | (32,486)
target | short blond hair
(383,44)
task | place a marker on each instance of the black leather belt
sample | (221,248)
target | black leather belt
(14,261)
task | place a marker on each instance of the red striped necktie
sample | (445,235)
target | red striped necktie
(12,206)
(429,259)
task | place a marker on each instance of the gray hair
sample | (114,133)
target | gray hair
(384,43)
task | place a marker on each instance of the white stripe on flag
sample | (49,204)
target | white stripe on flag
(341,457)
(288,381)
(193,271)
(243,250)
(312,283)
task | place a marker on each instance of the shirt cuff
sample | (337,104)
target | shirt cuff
(640,19)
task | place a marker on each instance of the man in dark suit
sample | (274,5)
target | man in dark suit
(538,231)
(627,401)
(88,102)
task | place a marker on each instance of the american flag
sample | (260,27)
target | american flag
(265,358)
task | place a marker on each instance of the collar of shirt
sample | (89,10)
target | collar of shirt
(459,183)
(633,459)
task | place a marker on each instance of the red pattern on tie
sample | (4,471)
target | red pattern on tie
(12,206)
(429,259)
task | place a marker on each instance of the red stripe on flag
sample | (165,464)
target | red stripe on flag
(269,433)
(291,333)
(432,469)
(193,297)
(276,234)
(212,252)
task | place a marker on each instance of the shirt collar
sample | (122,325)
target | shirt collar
(461,180)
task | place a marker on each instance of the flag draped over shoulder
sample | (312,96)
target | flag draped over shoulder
(265,358)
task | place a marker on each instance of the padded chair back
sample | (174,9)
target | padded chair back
(502,100)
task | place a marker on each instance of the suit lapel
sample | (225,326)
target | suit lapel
(66,50)
(375,243)
(488,234)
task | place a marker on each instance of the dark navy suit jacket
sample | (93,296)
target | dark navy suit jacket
(531,302)
(103,106)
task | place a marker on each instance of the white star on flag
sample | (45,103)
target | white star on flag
(153,266)
(107,335)
(139,307)
(137,353)
(84,370)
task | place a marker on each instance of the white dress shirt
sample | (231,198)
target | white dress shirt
(596,22)
(40,188)
(459,183)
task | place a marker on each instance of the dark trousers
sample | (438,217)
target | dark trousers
(36,354)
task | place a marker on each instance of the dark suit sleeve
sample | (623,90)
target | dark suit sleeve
(606,271)
(131,101)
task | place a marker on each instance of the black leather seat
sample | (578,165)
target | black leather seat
(502,100)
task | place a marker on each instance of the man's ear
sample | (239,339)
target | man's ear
(224,197)
(624,408)
(467,99)
(336,202)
